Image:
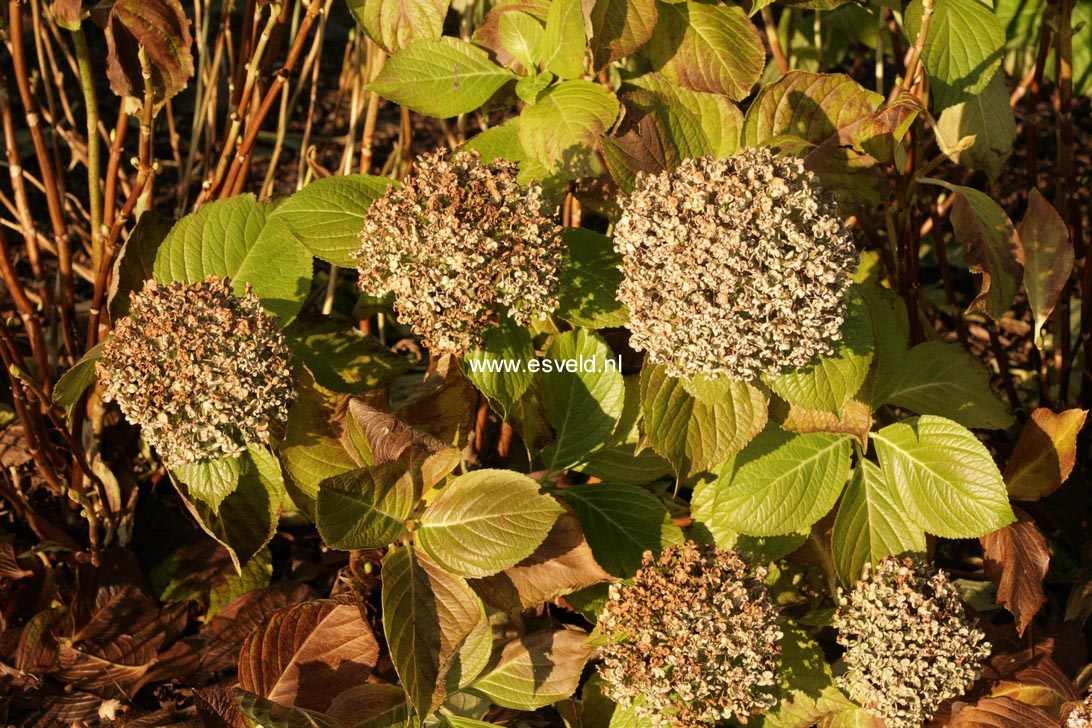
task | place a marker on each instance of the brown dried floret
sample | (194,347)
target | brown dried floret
(693,640)
(735,266)
(910,644)
(458,243)
(204,372)
(1081,715)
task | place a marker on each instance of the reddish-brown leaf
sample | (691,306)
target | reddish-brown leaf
(216,707)
(444,404)
(1017,560)
(1045,454)
(639,144)
(305,654)
(1001,712)
(162,28)
(67,13)
(561,565)
(1042,684)
(1048,257)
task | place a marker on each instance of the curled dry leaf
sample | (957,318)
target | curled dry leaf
(1045,454)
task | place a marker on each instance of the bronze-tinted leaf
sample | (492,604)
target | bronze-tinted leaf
(1002,712)
(305,654)
(1045,454)
(162,28)
(561,565)
(1042,684)
(1017,559)
(619,27)
(1048,257)
(640,144)
(216,707)
(444,405)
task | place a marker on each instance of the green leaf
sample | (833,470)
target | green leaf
(831,381)
(944,477)
(366,508)
(692,435)
(530,88)
(429,616)
(521,35)
(313,449)
(499,142)
(73,383)
(344,359)
(561,131)
(589,286)
(621,522)
(563,42)
(486,521)
(211,481)
(706,526)
(443,78)
(394,24)
(328,215)
(890,326)
(1048,255)
(268,714)
(1082,48)
(499,368)
(696,123)
(809,694)
(136,259)
(808,106)
(871,524)
(780,483)
(255,575)
(236,239)
(583,406)
(707,47)
(962,50)
(991,244)
(989,118)
(536,670)
(940,378)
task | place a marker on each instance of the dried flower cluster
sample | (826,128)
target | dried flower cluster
(909,643)
(456,244)
(1081,715)
(733,266)
(204,372)
(693,640)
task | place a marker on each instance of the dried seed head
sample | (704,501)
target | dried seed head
(204,372)
(456,244)
(693,640)
(733,266)
(1080,716)
(909,643)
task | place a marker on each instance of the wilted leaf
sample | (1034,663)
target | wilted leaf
(992,246)
(162,28)
(1017,560)
(443,405)
(1048,258)
(306,654)
(1045,454)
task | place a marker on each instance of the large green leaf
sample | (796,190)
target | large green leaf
(235,238)
(328,215)
(443,77)
(707,47)
(429,617)
(989,118)
(962,50)
(345,359)
(696,123)
(693,435)
(365,508)
(589,286)
(486,521)
(74,382)
(871,524)
(940,378)
(944,477)
(561,130)
(394,24)
(522,35)
(563,41)
(809,106)
(831,381)
(809,695)
(534,671)
(780,483)
(621,522)
(210,481)
(499,368)
(583,406)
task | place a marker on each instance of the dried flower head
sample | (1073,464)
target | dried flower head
(458,242)
(693,640)
(733,266)
(204,372)
(1081,715)
(909,643)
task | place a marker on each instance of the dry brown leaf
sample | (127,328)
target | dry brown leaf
(1017,559)
(305,654)
(1002,712)
(1045,454)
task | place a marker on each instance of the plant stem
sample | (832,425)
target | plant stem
(94,154)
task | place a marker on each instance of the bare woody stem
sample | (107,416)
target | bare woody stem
(94,153)
(912,65)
